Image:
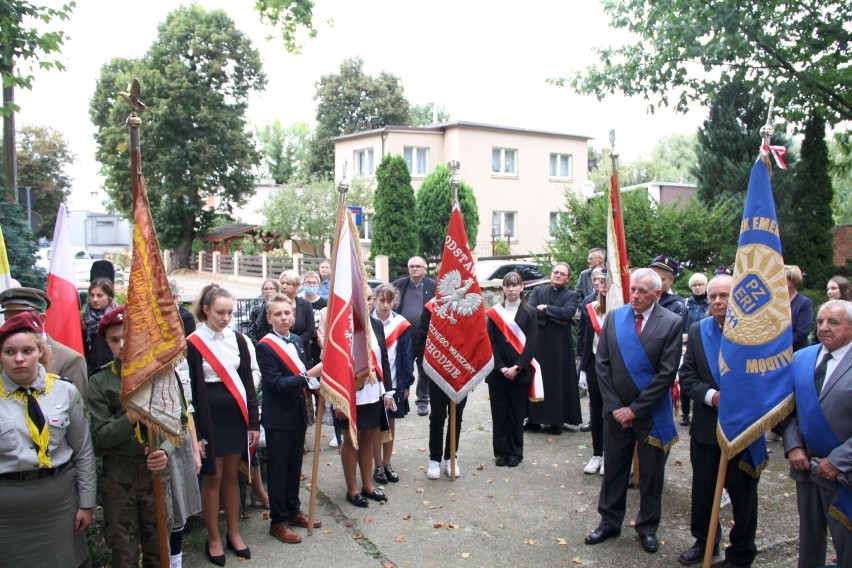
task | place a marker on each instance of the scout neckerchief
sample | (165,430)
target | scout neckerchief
(819,435)
(517,339)
(641,371)
(211,351)
(711,340)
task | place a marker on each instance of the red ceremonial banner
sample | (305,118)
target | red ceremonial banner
(458,353)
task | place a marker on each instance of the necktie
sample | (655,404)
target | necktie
(39,433)
(819,372)
(639,318)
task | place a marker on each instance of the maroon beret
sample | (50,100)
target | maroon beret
(111,318)
(24,321)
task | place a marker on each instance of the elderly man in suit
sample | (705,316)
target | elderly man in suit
(818,437)
(66,362)
(636,362)
(699,376)
(414,291)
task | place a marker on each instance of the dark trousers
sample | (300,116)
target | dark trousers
(814,499)
(284,451)
(508,408)
(618,458)
(422,389)
(440,404)
(685,404)
(595,410)
(742,489)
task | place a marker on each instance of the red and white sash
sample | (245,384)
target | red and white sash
(593,317)
(287,352)
(517,339)
(228,373)
(376,356)
(393,330)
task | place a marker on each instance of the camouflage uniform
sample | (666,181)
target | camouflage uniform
(126,485)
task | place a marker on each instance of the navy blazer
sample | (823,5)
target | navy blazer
(283,389)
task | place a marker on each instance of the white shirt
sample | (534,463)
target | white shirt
(227,351)
(836,356)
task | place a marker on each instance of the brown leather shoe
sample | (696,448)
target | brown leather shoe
(301,520)
(284,533)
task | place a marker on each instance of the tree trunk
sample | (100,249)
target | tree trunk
(10,159)
(183,249)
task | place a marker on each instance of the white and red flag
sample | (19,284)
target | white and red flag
(63,315)
(458,353)
(618,271)
(346,356)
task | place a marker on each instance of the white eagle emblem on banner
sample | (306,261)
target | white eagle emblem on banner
(453,297)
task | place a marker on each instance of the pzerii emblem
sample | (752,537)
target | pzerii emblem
(453,297)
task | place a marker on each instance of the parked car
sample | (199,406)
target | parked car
(496,269)
(43,256)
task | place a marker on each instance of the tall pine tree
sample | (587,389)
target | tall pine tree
(807,240)
(394,225)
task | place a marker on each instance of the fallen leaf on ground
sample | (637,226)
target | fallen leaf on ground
(529,541)
(421,449)
(452,527)
(465,554)
(357,536)
(490,496)
(400,538)
(561,541)
(551,440)
(420,490)
(582,446)
(326,531)
(632,523)
(480,467)
(406,518)
(489,481)
(576,560)
(265,516)
(437,525)
(580,492)
(678,462)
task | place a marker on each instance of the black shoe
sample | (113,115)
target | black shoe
(376,495)
(587,427)
(532,426)
(599,535)
(649,543)
(500,461)
(380,476)
(630,483)
(391,473)
(358,500)
(244,553)
(556,430)
(684,421)
(695,554)
(513,461)
(217,560)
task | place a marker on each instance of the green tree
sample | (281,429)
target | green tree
(807,240)
(394,228)
(303,212)
(23,40)
(729,141)
(421,115)
(285,150)
(352,101)
(672,159)
(433,208)
(686,51)
(20,245)
(290,16)
(43,155)
(840,151)
(700,236)
(196,79)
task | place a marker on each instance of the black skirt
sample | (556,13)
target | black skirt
(368,416)
(229,427)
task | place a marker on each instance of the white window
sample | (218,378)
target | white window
(365,231)
(558,222)
(504,161)
(417,159)
(560,165)
(364,165)
(504,223)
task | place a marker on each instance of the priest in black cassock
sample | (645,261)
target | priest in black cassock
(555,306)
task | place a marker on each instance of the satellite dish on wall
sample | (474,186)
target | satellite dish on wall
(587,189)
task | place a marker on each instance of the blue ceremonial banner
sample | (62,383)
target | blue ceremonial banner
(756,386)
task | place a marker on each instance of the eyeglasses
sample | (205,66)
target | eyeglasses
(416,266)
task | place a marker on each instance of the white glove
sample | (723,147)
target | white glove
(583,382)
(313,383)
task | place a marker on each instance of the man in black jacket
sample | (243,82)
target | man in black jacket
(414,291)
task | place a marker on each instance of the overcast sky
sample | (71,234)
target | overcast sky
(483,62)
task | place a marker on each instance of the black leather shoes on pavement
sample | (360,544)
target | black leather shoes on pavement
(587,427)
(599,535)
(695,554)
(649,543)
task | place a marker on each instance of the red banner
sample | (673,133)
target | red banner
(616,250)
(458,353)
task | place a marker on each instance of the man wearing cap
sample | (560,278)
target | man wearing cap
(65,361)
(667,268)
(185,315)
(126,483)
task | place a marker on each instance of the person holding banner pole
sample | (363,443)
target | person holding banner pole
(221,370)
(513,331)
(818,438)
(636,363)
(699,380)
(286,380)
(592,316)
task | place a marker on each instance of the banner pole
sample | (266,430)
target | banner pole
(714,514)
(312,508)
(452,427)
(159,506)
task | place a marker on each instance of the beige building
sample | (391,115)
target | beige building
(518,176)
